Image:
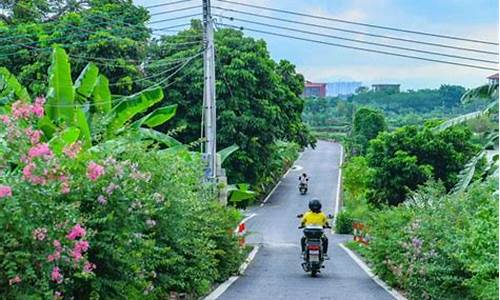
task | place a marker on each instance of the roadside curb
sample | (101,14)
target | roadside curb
(374,277)
(226,284)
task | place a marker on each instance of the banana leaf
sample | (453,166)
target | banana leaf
(86,82)
(157,117)
(10,88)
(101,96)
(61,94)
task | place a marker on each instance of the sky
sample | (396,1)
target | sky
(476,19)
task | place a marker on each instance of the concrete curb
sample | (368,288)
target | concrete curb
(375,278)
(226,284)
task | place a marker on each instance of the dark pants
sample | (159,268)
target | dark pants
(324,242)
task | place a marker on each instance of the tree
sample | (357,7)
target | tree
(409,156)
(258,99)
(367,125)
(109,33)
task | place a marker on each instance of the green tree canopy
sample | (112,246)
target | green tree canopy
(367,125)
(409,156)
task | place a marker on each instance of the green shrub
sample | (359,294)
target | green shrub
(343,223)
(110,222)
(440,246)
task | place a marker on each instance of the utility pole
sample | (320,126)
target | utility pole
(209,109)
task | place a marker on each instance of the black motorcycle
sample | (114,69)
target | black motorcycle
(313,256)
(303,188)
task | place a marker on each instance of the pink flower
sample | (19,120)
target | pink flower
(88,267)
(65,186)
(34,135)
(72,150)
(77,255)
(37,108)
(56,275)
(58,295)
(76,232)
(94,171)
(39,150)
(40,234)
(111,187)
(82,246)
(57,244)
(102,200)
(15,280)
(5,191)
(21,110)
(5,119)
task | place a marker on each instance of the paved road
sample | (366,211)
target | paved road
(275,273)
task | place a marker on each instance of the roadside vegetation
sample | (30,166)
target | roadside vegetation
(102,190)
(428,197)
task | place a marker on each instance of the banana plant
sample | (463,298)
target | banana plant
(72,104)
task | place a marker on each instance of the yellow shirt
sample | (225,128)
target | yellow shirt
(311,218)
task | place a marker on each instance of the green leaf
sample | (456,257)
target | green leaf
(83,125)
(146,133)
(10,88)
(131,106)
(226,152)
(86,82)
(484,91)
(240,192)
(65,138)
(157,117)
(102,95)
(61,94)
(466,175)
(47,126)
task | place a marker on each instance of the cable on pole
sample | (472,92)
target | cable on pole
(360,48)
(361,42)
(166,4)
(362,24)
(174,10)
(173,19)
(357,32)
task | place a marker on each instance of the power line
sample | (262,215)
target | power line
(166,4)
(360,48)
(173,19)
(357,32)
(359,41)
(363,24)
(128,98)
(174,10)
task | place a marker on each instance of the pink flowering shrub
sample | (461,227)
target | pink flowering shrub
(111,223)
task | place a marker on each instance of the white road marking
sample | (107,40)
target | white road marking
(375,278)
(243,221)
(226,284)
(339,188)
(269,195)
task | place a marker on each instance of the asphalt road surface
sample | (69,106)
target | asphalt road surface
(275,273)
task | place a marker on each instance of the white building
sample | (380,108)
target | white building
(342,88)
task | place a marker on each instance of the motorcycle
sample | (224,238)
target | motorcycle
(313,256)
(303,188)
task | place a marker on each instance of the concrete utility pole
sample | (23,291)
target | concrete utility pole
(209,109)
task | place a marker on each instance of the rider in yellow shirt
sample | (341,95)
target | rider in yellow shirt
(315,217)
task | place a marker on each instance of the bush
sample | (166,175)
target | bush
(110,222)
(440,246)
(343,223)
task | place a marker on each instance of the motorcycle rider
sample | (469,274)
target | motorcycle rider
(303,179)
(315,217)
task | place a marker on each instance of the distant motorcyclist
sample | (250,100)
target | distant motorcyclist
(315,217)
(303,179)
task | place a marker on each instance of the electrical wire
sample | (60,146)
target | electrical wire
(357,32)
(360,48)
(174,10)
(166,4)
(362,24)
(128,98)
(361,42)
(173,19)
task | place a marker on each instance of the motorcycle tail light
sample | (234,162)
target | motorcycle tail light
(313,247)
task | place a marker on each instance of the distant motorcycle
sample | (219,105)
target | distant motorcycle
(313,257)
(303,188)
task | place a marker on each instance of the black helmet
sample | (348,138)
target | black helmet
(315,205)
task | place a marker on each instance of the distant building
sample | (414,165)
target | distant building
(342,88)
(388,88)
(493,79)
(312,89)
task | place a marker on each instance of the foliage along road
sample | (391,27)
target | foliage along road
(275,273)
